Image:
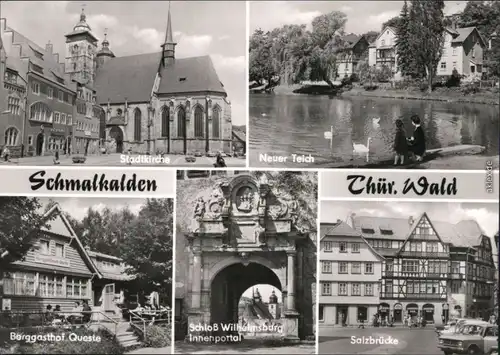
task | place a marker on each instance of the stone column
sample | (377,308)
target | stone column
(196,285)
(290,299)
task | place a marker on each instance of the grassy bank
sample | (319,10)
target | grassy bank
(487,97)
(439,94)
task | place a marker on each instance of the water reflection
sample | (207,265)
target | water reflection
(285,125)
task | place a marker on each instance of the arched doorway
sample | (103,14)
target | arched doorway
(412,309)
(39,144)
(228,286)
(428,313)
(398,313)
(383,310)
(117,134)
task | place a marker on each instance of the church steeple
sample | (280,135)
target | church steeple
(168,55)
(104,54)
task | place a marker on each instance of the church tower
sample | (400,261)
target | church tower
(105,54)
(81,48)
(273,305)
(168,53)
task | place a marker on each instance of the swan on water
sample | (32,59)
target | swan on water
(376,122)
(360,149)
(263,114)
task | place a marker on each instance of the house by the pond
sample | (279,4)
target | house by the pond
(354,48)
(462,50)
(59,270)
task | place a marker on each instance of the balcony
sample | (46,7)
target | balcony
(424,254)
(411,296)
(414,275)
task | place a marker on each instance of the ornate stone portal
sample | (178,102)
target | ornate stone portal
(242,234)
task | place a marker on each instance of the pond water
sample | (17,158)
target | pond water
(295,124)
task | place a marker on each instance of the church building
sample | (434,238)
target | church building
(158,103)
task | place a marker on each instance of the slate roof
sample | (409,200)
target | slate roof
(340,229)
(51,68)
(131,78)
(119,273)
(462,234)
(198,73)
(240,135)
(127,78)
(351,40)
(461,34)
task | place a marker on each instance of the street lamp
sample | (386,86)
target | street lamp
(151,112)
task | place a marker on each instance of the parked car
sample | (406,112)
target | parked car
(473,338)
(452,326)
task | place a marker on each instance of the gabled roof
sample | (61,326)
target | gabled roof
(59,229)
(342,229)
(351,40)
(51,68)
(390,28)
(118,273)
(460,35)
(400,227)
(195,74)
(240,135)
(414,226)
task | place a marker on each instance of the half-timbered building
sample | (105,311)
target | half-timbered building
(59,270)
(431,269)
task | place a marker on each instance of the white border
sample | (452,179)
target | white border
(174,229)
(318,263)
(247,80)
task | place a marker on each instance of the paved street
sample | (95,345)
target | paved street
(246,346)
(114,160)
(415,341)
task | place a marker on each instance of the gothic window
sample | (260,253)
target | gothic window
(181,122)
(40,112)
(14,105)
(11,136)
(216,122)
(198,122)
(137,125)
(165,121)
(75,49)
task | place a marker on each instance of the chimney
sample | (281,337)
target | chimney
(411,221)
(49,48)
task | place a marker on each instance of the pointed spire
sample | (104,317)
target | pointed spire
(168,55)
(82,25)
(105,42)
(169,36)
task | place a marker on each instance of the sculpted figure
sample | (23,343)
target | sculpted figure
(199,210)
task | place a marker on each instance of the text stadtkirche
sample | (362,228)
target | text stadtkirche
(95,182)
(420,186)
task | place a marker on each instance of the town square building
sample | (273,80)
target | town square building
(350,276)
(431,268)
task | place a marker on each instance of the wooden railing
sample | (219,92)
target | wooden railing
(40,319)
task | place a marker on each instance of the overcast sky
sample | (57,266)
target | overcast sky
(216,28)
(363,16)
(265,291)
(486,214)
(78,207)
